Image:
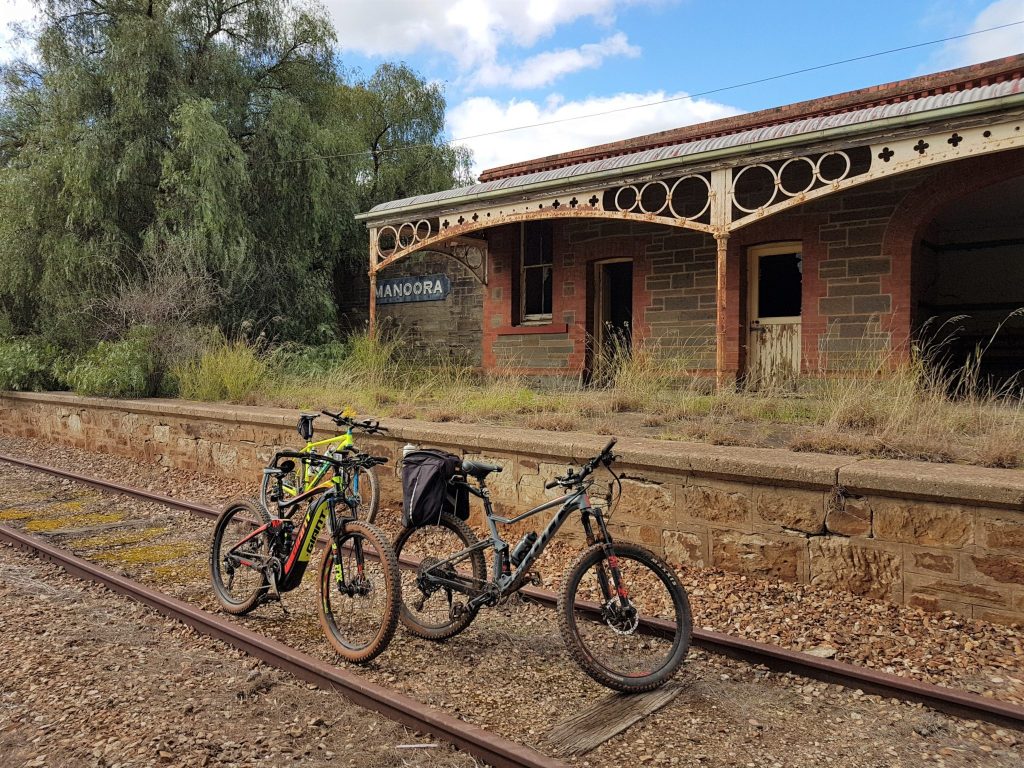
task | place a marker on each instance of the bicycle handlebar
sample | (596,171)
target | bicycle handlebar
(570,478)
(368,426)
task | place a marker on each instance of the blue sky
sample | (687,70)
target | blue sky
(507,63)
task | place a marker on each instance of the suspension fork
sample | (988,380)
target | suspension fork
(609,587)
(337,531)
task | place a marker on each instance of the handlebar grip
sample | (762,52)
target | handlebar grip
(611,444)
(552,484)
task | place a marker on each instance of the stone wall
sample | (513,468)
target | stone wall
(935,536)
(450,327)
(532,351)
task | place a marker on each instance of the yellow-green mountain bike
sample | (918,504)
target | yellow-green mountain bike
(298,477)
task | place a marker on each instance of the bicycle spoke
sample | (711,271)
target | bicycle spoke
(358,593)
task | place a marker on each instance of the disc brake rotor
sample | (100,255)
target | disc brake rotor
(623,619)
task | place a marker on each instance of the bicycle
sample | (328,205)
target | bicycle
(309,473)
(256,556)
(622,612)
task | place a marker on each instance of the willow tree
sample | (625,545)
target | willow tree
(203,136)
(397,120)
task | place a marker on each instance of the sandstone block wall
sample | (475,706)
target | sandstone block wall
(939,537)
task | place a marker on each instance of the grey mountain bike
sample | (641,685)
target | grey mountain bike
(622,612)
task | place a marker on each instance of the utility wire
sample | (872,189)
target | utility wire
(685,97)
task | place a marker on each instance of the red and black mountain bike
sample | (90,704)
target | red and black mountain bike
(257,555)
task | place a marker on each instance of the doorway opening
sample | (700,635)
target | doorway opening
(612,312)
(775,305)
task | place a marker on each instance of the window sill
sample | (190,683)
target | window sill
(523,330)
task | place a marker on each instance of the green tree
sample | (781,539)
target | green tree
(202,134)
(208,144)
(397,119)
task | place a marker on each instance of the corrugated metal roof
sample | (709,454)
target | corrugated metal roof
(734,140)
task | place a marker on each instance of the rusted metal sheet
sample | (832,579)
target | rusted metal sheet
(753,136)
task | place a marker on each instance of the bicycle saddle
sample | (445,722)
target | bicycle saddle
(479,469)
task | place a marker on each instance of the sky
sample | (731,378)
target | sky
(510,63)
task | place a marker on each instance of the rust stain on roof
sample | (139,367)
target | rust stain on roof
(949,81)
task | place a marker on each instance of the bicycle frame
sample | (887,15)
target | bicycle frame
(320,511)
(308,477)
(503,575)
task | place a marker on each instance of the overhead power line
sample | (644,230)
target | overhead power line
(684,97)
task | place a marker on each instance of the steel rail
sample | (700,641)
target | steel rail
(938,697)
(492,749)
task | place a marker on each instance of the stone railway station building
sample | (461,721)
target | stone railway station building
(806,239)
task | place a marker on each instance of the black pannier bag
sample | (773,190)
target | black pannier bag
(427,489)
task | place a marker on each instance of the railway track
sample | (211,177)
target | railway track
(941,698)
(486,746)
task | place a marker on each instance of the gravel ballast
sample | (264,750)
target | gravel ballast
(729,713)
(94,679)
(942,648)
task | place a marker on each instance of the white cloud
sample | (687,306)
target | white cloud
(473,32)
(480,115)
(546,67)
(990,45)
(13,12)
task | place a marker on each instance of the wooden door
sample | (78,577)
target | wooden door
(775,303)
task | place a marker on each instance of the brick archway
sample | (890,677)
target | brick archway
(915,213)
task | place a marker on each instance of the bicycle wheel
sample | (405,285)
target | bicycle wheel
(368,491)
(606,638)
(428,614)
(237,563)
(359,592)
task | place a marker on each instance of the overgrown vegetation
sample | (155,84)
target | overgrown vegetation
(909,407)
(225,370)
(27,363)
(124,368)
(192,166)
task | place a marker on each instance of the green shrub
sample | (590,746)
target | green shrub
(124,368)
(26,364)
(226,370)
(301,360)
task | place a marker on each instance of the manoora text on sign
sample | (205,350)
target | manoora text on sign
(418,288)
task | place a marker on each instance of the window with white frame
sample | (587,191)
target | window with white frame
(535,271)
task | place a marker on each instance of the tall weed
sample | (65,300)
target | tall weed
(226,370)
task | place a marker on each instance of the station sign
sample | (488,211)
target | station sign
(416,288)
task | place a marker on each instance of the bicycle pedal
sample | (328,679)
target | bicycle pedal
(535,579)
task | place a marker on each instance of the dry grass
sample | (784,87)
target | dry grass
(912,407)
(555,422)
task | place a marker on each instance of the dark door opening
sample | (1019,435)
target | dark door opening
(612,312)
